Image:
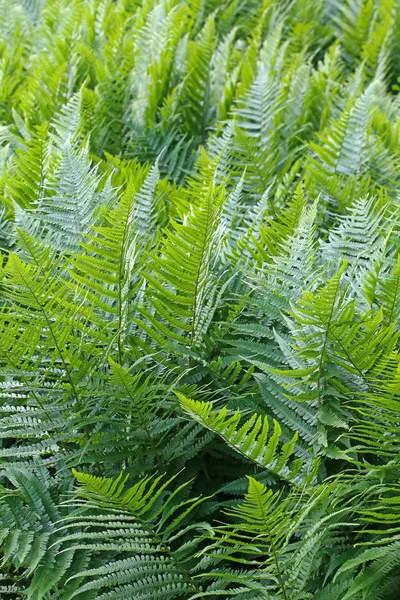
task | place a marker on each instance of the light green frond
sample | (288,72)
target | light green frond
(250,439)
(195,95)
(182,287)
(29,166)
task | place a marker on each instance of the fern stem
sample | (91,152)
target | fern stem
(322,355)
(49,325)
(120,279)
(171,555)
(274,552)
(144,425)
(203,250)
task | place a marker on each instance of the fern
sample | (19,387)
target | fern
(24,186)
(199,316)
(145,531)
(196,88)
(251,439)
(183,288)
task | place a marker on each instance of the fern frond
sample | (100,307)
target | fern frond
(182,287)
(24,186)
(250,439)
(196,89)
(141,522)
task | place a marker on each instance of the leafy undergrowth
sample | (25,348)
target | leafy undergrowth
(200,299)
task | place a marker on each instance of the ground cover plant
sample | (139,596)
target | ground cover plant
(200,299)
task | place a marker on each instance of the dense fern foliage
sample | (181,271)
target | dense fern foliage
(200,299)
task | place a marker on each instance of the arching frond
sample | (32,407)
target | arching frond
(250,439)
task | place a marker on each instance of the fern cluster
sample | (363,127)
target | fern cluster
(200,299)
